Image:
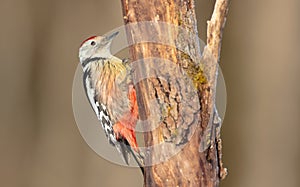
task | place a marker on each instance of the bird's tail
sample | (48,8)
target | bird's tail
(139,158)
(125,150)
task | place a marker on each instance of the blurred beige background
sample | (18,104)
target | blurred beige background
(39,140)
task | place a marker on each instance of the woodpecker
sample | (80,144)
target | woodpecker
(111,94)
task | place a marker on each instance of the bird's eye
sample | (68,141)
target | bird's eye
(93,43)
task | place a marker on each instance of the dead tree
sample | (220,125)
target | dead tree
(188,167)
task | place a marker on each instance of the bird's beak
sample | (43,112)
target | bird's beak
(112,36)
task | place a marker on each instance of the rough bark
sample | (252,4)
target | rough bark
(189,167)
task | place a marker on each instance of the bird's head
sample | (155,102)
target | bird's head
(96,47)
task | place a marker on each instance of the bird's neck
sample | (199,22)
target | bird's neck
(86,64)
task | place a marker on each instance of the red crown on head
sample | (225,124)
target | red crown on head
(90,38)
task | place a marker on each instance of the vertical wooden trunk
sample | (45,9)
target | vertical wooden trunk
(189,167)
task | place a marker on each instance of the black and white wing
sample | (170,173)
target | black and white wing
(103,116)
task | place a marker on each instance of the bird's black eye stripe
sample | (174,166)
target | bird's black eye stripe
(93,43)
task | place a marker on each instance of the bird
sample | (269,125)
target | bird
(111,94)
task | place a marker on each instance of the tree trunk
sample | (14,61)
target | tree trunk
(180,92)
